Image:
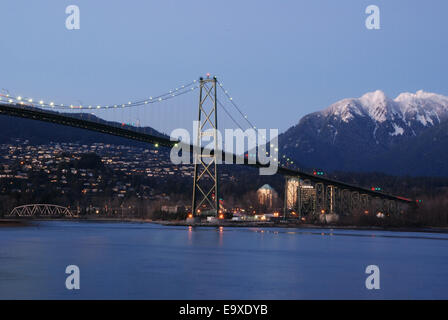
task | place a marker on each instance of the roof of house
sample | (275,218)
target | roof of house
(266,187)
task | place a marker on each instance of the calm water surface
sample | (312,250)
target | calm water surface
(146,261)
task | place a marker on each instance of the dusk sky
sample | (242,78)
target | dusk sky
(279,59)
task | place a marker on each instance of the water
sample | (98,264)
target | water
(146,261)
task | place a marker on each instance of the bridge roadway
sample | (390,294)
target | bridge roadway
(103,127)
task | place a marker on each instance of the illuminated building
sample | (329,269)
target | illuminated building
(266,196)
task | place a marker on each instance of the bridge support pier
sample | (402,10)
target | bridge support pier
(365,203)
(292,204)
(320,198)
(346,204)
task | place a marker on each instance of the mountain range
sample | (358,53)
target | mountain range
(407,135)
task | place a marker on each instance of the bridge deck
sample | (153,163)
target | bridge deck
(59,118)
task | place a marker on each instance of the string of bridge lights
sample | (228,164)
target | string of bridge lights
(30,102)
(181,90)
(229,97)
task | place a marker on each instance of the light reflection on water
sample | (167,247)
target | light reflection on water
(147,261)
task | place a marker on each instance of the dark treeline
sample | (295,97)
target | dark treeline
(146,195)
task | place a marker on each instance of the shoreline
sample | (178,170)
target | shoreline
(8,222)
(14,223)
(303,226)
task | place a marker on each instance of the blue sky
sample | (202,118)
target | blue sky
(279,59)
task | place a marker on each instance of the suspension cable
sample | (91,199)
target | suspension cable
(289,160)
(30,102)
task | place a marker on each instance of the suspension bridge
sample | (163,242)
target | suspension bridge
(305,192)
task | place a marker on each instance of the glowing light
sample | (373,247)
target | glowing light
(171,93)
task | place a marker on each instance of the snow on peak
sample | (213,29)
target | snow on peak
(372,98)
(377,105)
(424,107)
(422,96)
(344,109)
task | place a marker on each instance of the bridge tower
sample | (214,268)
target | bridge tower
(206,184)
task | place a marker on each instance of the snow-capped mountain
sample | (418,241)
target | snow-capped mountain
(406,114)
(359,133)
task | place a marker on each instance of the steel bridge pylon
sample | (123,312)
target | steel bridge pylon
(206,183)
